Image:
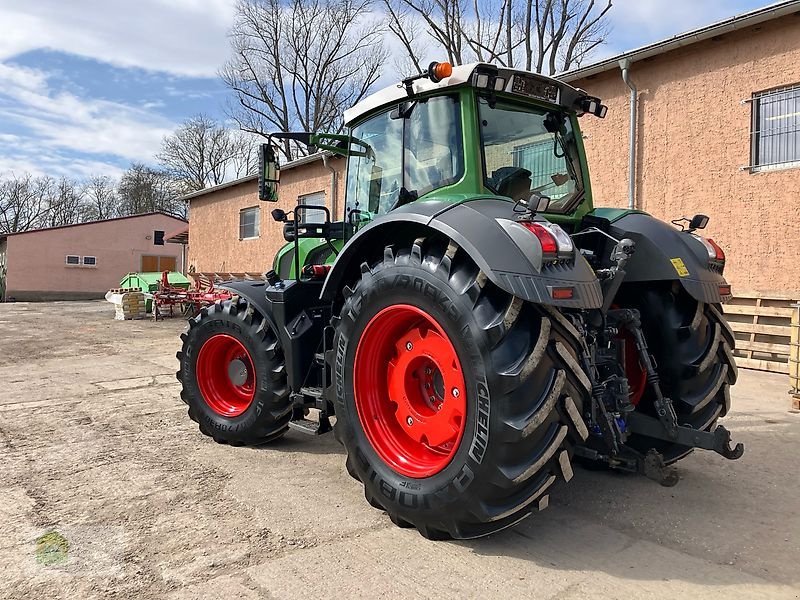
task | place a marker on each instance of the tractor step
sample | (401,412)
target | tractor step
(312,392)
(309,427)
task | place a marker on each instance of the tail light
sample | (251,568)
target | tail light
(714,251)
(555,242)
(718,253)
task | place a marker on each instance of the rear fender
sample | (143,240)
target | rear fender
(664,253)
(254,292)
(510,258)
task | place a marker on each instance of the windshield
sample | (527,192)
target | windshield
(405,153)
(521,156)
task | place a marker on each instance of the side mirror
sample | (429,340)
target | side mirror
(267,174)
(593,106)
(538,203)
(698,222)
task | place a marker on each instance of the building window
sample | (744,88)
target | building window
(775,142)
(158,238)
(73,259)
(248,223)
(90,261)
(311,215)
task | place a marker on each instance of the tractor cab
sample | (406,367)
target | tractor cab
(453,135)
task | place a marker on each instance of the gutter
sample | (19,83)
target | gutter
(624,65)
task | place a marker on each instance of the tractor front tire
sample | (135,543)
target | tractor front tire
(458,404)
(233,375)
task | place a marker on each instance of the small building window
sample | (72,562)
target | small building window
(158,238)
(248,222)
(775,136)
(312,215)
(73,259)
(90,261)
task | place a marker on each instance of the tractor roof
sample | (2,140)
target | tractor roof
(524,83)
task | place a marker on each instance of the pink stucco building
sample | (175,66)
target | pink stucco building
(84,261)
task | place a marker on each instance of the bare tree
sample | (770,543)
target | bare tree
(144,189)
(24,202)
(245,154)
(546,36)
(203,153)
(100,198)
(66,203)
(298,64)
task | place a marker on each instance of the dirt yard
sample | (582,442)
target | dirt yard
(96,450)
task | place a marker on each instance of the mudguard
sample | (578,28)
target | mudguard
(509,256)
(664,253)
(255,293)
(287,309)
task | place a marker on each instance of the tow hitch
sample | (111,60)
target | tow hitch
(718,440)
(664,427)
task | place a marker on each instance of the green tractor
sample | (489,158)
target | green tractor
(473,323)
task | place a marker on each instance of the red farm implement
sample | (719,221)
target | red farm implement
(189,302)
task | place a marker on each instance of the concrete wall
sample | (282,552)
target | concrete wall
(36,259)
(694,135)
(214,219)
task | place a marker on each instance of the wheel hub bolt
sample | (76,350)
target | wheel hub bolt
(410,421)
(409,346)
(456,393)
(428,371)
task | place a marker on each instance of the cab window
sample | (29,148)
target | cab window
(403,154)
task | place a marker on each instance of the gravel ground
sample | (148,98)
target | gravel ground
(107,489)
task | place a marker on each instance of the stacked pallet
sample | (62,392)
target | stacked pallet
(762,326)
(131,306)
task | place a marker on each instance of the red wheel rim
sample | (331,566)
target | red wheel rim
(409,391)
(225,375)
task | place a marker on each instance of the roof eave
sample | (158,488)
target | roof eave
(303,160)
(749,19)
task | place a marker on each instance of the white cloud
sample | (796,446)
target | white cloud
(59,123)
(32,161)
(182,37)
(640,22)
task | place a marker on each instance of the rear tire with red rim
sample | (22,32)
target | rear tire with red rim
(458,404)
(693,348)
(233,375)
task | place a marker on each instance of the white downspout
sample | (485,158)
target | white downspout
(334,198)
(634,101)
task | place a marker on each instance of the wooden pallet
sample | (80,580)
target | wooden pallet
(761,323)
(203,279)
(794,360)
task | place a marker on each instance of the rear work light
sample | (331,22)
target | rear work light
(555,242)
(714,251)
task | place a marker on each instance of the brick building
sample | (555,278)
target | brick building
(231,231)
(717,131)
(84,261)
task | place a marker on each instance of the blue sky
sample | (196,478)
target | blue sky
(88,86)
